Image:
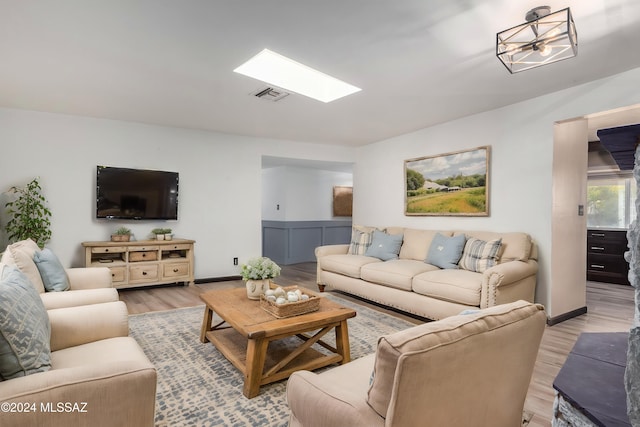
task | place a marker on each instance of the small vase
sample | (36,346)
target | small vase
(255,288)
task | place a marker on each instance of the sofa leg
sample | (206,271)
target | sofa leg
(321,287)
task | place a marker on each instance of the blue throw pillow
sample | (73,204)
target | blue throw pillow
(384,246)
(445,252)
(25,332)
(52,272)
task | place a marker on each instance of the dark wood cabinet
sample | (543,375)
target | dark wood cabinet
(605,256)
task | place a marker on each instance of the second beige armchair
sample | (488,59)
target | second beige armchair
(466,370)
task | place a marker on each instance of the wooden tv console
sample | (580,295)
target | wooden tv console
(143,263)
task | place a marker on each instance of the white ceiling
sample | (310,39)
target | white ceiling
(168,62)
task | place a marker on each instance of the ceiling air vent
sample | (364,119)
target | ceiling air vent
(270,94)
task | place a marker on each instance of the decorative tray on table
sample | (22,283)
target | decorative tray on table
(290,308)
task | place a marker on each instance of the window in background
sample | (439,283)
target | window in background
(611,202)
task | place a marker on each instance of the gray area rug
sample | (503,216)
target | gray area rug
(197,386)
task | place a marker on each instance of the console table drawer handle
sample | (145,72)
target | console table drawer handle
(175,270)
(597,266)
(597,248)
(144,273)
(597,234)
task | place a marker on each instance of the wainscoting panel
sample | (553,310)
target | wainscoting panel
(292,242)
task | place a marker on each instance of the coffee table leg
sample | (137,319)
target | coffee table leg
(206,324)
(256,356)
(342,342)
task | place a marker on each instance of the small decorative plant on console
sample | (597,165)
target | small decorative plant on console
(122,234)
(258,272)
(162,233)
(167,234)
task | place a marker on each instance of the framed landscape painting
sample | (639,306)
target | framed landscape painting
(451,184)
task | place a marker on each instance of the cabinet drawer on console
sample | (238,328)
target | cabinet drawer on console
(143,248)
(176,269)
(118,274)
(143,273)
(108,250)
(143,256)
(176,247)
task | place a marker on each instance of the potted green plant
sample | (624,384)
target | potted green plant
(167,234)
(29,214)
(122,234)
(159,233)
(257,273)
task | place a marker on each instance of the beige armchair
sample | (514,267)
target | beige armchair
(466,370)
(99,375)
(87,285)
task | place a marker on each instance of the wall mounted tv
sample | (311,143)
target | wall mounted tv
(123,193)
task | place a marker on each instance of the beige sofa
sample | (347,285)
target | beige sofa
(99,376)
(410,284)
(87,285)
(466,370)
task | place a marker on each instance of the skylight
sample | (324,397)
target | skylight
(288,74)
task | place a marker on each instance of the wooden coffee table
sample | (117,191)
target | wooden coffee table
(254,341)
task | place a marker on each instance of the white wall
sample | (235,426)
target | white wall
(220,179)
(220,175)
(521,140)
(302,194)
(274,193)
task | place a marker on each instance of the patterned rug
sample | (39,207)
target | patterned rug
(197,386)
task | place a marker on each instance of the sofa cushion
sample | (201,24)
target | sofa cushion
(515,246)
(384,246)
(440,336)
(20,254)
(460,286)
(54,277)
(445,252)
(25,331)
(397,273)
(416,243)
(479,255)
(345,264)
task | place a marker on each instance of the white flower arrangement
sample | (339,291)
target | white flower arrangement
(259,268)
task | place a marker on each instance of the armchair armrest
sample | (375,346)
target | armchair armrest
(508,282)
(317,401)
(83,324)
(121,391)
(331,250)
(89,278)
(324,251)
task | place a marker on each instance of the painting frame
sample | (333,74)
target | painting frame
(342,201)
(452,184)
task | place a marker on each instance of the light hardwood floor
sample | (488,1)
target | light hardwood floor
(610,309)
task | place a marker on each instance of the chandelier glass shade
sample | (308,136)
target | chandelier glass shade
(544,39)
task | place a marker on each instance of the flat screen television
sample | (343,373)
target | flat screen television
(123,193)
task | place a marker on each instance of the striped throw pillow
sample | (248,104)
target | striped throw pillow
(479,255)
(360,241)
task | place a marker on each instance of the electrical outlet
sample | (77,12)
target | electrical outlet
(235,261)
